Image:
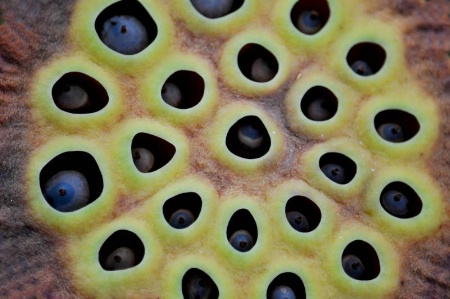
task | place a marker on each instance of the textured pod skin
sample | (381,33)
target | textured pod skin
(32,33)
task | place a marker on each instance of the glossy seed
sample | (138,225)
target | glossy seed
(282,292)
(361,68)
(318,110)
(198,286)
(213,8)
(250,135)
(391,132)
(298,221)
(395,203)
(353,266)
(143,159)
(181,218)
(121,258)
(334,172)
(124,34)
(73,97)
(171,94)
(242,241)
(261,71)
(309,22)
(67,191)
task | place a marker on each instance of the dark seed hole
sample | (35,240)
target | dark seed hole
(183,89)
(248,138)
(400,200)
(161,150)
(338,167)
(189,201)
(128,8)
(360,261)
(318,11)
(197,284)
(291,281)
(257,63)
(78,93)
(366,58)
(319,104)
(110,260)
(242,220)
(216,8)
(396,125)
(307,208)
(79,161)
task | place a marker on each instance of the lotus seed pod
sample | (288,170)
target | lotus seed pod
(224,149)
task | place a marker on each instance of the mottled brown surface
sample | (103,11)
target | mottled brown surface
(28,266)
(427,269)
(34,31)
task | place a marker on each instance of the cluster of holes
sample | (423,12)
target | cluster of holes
(248,138)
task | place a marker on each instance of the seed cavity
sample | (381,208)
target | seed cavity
(319,104)
(338,168)
(196,284)
(400,200)
(150,153)
(78,93)
(360,261)
(242,231)
(214,9)
(248,138)
(396,125)
(122,250)
(182,210)
(302,214)
(310,16)
(366,59)
(286,285)
(257,63)
(126,27)
(183,89)
(71,181)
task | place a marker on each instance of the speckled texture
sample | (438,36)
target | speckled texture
(33,33)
